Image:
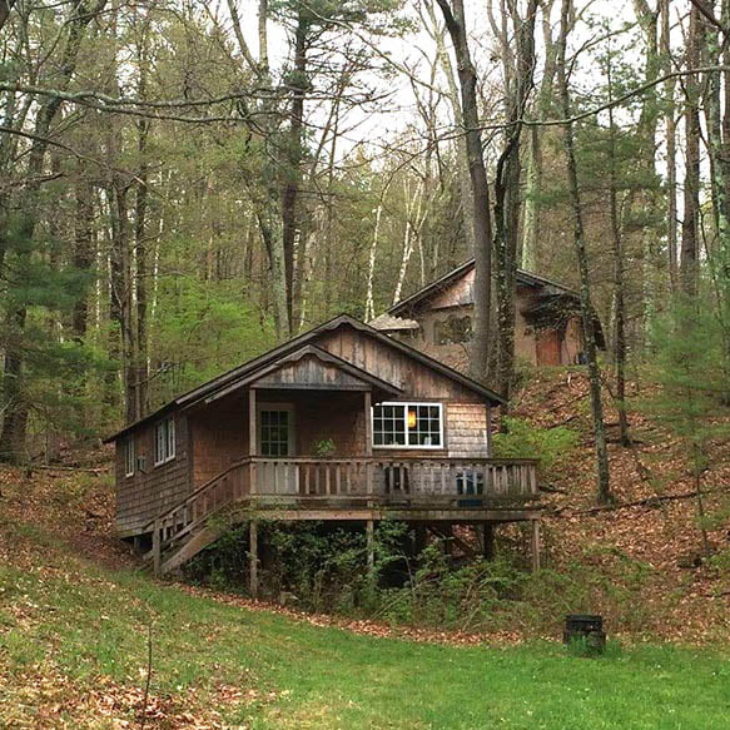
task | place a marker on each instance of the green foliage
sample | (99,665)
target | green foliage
(523,440)
(203,328)
(324,448)
(318,567)
(690,368)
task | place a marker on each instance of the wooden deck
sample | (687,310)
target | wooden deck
(362,488)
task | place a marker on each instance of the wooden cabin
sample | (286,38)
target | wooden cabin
(437,320)
(342,423)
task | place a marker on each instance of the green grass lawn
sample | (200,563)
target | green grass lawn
(87,623)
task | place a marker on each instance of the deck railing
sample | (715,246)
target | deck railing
(336,483)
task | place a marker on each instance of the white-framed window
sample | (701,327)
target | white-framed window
(129,456)
(164,441)
(408,425)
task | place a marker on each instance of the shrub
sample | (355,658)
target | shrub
(522,440)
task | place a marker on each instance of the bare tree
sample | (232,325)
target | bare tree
(587,312)
(455,20)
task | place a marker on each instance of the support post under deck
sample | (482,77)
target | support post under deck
(156,548)
(535,544)
(370,540)
(488,540)
(253,556)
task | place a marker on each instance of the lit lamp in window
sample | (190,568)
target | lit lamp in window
(412,418)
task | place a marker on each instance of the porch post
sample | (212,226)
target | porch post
(535,544)
(252,430)
(253,556)
(489,431)
(252,441)
(367,403)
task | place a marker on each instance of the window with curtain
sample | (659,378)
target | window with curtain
(408,425)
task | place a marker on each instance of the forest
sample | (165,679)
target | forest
(186,185)
(182,187)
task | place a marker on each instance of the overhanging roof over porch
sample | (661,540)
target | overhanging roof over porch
(251,369)
(310,368)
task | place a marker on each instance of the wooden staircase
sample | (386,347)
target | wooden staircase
(189,527)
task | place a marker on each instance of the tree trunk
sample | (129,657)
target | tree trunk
(518,75)
(602,468)
(292,164)
(141,370)
(456,25)
(689,253)
(671,137)
(83,255)
(529,255)
(619,298)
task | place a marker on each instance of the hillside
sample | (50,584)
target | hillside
(650,551)
(75,612)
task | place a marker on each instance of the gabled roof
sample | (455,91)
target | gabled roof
(249,369)
(523,277)
(325,358)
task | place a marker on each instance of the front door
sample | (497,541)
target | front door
(276,441)
(548,347)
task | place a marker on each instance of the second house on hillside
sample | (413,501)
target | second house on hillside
(438,320)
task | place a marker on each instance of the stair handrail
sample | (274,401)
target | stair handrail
(196,493)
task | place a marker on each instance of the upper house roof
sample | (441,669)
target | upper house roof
(525,278)
(304,345)
(397,318)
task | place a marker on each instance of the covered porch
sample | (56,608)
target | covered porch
(299,435)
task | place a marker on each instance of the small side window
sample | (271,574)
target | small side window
(164,441)
(129,457)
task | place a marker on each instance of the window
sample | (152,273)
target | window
(164,441)
(129,456)
(276,431)
(408,425)
(452,330)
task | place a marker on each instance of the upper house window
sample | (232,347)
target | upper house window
(452,330)
(164,441)
(129,456)
(408,425)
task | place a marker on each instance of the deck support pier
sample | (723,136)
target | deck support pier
(370,543)
(535,544)
(156,551)
(488,540)
(253,557)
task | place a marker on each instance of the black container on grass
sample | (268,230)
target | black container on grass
(584,633)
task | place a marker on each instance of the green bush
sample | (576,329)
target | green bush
(321,568)
(522,440)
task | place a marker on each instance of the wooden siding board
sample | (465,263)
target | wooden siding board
(142,496)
